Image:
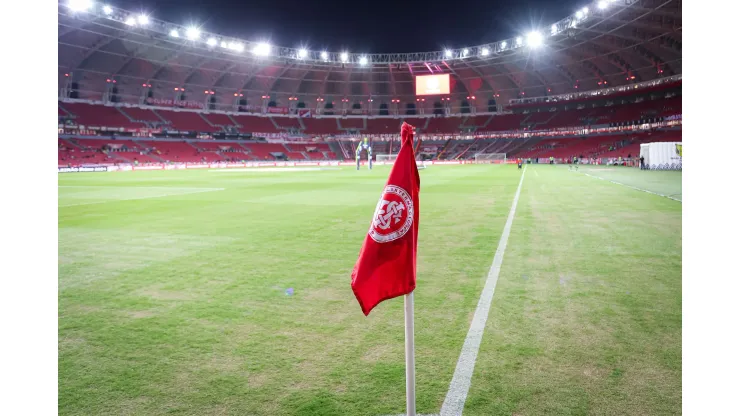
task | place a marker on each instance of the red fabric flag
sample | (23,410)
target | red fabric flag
(386,267)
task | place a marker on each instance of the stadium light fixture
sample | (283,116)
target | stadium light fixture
(224,44)
(107,10)
(363,60)
(80,5)
(579,14)
(503,45)
(465,52)
(448,53)
(344,56)
(554,29)
(174,33)
(602,5)
(130,21)
(212,42)
(302,53)
(485,52)
(193,33)
(143,19)
(585,11)
(237,47)
(324,56)
(519,41)
(261,49)
(534,39)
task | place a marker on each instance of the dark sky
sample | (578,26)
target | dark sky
(377,26)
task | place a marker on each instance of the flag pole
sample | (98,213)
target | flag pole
(408,304)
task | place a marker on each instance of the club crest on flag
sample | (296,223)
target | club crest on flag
(393,216)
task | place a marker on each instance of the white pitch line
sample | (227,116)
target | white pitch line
(460,384)
(632,187)
(143,197)
(138,187)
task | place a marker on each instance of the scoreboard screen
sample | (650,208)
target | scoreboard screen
(433,84)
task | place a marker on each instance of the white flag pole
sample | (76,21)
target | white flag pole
(408,303)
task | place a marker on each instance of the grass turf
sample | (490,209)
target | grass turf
(172,294)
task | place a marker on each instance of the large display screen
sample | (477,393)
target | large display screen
(432,84)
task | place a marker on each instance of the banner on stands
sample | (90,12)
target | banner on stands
(277,110)
(166,102)
(83,169)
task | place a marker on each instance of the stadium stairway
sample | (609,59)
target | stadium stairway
(444,149)
(142,115)
(63,111)
(215,127)
(470,146)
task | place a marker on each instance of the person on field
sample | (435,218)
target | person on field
(552,160)
(519,163)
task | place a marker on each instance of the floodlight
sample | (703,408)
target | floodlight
(484,52)
(130,21)
(534,39)
(212,42)
(193,33)
(324,55)
(236,46)
(448,53)
(363,60)
(519,41)
(603,5)
(465,52)
(107,10)
(143,19)
(344,56)
(174,33)
(261,49)
(224,44)
(554,29)
(579,15)
(585,10)
(503,45)
(80,5)
(302,53)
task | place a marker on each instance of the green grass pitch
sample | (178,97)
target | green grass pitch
(172,293)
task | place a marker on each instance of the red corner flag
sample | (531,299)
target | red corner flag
(387,264)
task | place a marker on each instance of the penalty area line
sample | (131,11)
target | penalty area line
(458,392)
(143,197)
(633,187)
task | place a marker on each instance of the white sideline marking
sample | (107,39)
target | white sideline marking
(257,169)
(139,187)
(460,384)
(143,197)
(633,187)
(404,414)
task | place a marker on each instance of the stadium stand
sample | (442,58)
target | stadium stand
(255,124)
(321,126)
(141,115)
(382,126)
(218,119)
(99,116)
(187,121)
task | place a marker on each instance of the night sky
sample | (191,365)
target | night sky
(377,26)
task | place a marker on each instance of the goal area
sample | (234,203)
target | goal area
(490,158)
(392,159)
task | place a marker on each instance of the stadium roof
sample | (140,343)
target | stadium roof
(605,44)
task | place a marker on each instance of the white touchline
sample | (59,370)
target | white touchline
(143,197)
(460,384)
(633,187)
(140,187)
